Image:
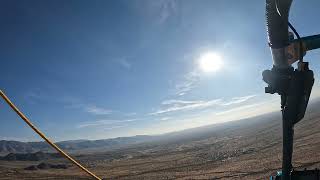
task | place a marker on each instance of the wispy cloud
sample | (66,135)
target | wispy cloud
(131,114)
(237,100)
(188,83)
(236,109)
(124,62)
(177,102)
(177,105)
(104,122)
(167,9)
(97,110)
(165,118)
(160,11)
(75,103)
(115,127)
(174,105)
(33,96)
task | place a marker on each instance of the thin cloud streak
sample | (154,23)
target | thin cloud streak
(237,100)
(124,63)
(168,8)
(236,109)
(174,101)
(115,127)
(97,110)
(189,82)
(74,103)
(165,118)
(174,105)
(187,106)
(104,122)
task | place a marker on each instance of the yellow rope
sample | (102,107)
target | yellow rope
(44,137)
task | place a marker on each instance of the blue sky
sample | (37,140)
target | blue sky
(100,69)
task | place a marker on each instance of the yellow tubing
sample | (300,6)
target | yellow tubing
(26,120)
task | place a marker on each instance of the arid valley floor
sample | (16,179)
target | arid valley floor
(245,149)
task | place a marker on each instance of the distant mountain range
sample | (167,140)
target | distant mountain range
(37,156)
(7,147)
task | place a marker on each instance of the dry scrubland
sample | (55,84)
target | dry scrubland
(247,149)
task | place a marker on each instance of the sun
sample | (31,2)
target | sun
(210,62)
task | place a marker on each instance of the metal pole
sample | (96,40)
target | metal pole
(287,145)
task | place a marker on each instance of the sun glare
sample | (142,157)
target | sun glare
(210,62)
